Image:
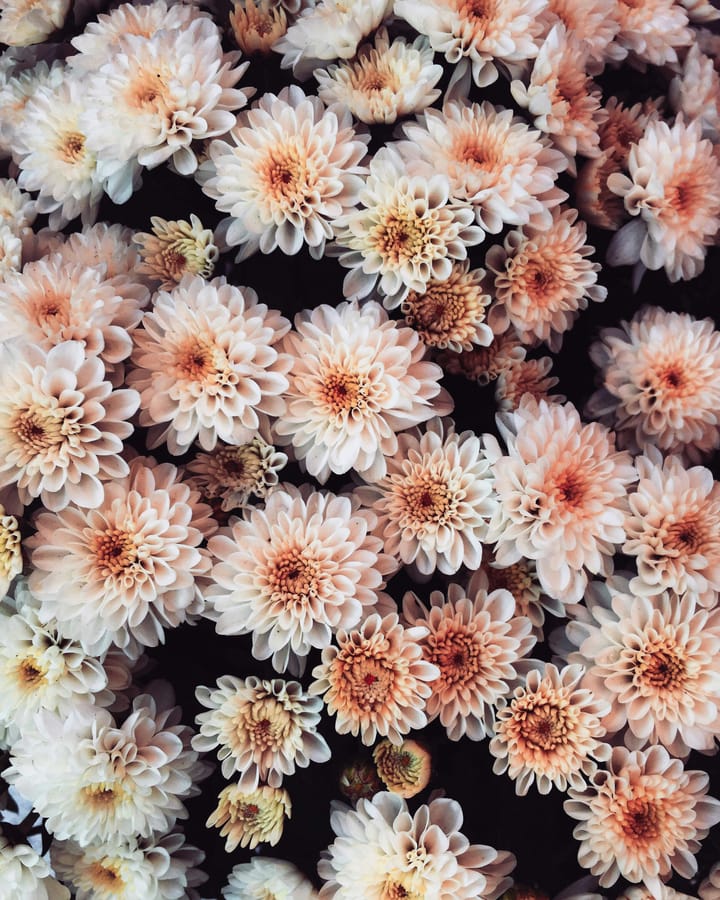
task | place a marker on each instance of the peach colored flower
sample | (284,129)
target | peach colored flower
(11,252)
(652,31)
(695,92)
(475,641)
(562,495)
(11,562)
(660,377)
(175,249)
(376,681)
(709,889)
(595,23)
(528,376)
(550,732)
(404,770)
(484,364)
(642,819)
(543,279)
(249,818)
(257,27)
(100,245)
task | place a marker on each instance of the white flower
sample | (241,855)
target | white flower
(25,874)
(264,878)
(26,22)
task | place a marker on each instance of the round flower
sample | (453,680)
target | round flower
(660,376)
(385,80)
(434,503)
(207,365)
(357,378)
(549,732)
(562,495)
(296,571)
(476,643)
(695,92)
(290,169)
(376,681)
(61,425)
(263,729)
(264,877)
(404,770)
(652,32)
(123,572)
(249,818)
(175,249)
(11,563)
(595,23)
(25,874)
(642,818)
(26,22)
(528,376)
(257,28)
(383,851)
(542,279)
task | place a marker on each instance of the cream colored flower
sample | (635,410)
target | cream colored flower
(376,681)
(358,377)
(175,249)
(290,168)
(595,23)
(17,208)
(25,874)
(249,818)
(384,81)
(404,770)
(710,887)
(17,87)
(528,376)
(642,819)
(653,31)
(695,92)
(26,22)
(11,252)
(263,729)
(264,878)
(257,27)
(476,641)
(11,563)
(207,365)
(100,245)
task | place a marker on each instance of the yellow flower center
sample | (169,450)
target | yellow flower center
(106,876)
(71,146)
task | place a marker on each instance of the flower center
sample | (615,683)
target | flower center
(344,391)
(456,653)
(401,886)
(202,361)
(102,795)
(175,263)
(660,665)
(368,681)
(146,93)
(265,726)
(686,536)
(39,429)
(426,500)
(31,672)
(106,876)
(72,146)
(373,80)
(247,812)
(641,820)
(570,490)
(543,727)
(286,176)
(402,237)
(114,551)
(295,578)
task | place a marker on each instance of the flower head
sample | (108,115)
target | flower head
(26,22)
(11,563)
(595,23)
(264,877)
(404,770)
(175,249)
(249,818)
(652,32)
(257,27)
(26,874)
(527,376)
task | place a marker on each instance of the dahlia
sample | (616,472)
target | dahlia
(257,28)
(295,571)
(642,818)
(652,32)
(404,770)
(11,563)
(382,851)
(434,503)
(264,877)
(290,169)
(528,376)
(207,366)
(562,495)
(26,22)
(249,818)
(476,642)
(25,874)
(660,377)
(121,573)
(385,80)
(175,249)
(357,378)
(61,425)
(674,188)
(376,681)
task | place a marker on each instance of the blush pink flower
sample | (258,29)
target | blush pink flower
(595,23)
(528,376)
(652,31)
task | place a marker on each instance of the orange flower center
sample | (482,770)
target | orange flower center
(114,551)
(40,429)
(106,876)
(402,237)
(72,146)
(686,536)
(343,391)
(286,175)
(542,724)
(457,652)
(366,681)
(445,312)
(31,672)
(641,820)
(660,665)
(295,578)
(174,262)
(426,498)
(147,92)
(102,795)
(373,80)
(570,489)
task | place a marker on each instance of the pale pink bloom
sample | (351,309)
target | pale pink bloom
(11,252)
(476,641)
(653,660)
(562,495)
(434,503)
(248,818)
(485,364)
(26,22)
(122,573)
(493,159)
(61,425)
(652,31)
(593,22)
(101,244)
(642,819)
(660,377)
(257,27)
(264,876)
(405,769)
(358,377)
(709,889)
(295,571)
(528,376)
(625,125)
(376,681)
(543,279)
(17,87)
(549,732)
(407,231)
(384,81)
(382,851)
(261,729)
(562,99)
(700,12)
(674,188)
(175,249)
(695,92)
(207,365)
(289,169)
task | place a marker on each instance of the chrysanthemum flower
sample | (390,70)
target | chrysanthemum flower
(597,204)
(249,818)
(493,159)
(660,376)
(25,874)
(564,101)
(695,92)
(17,208)
(404,770)
(121,573)
(263,729)
(528,376)
(595,23)
(207,365)
(26,22)
(653,660)
(175,249)
(11,252)
(382,851)
(642,819)
(652,32)
(550,732)
(17,88)
(265,877)
(625,126)
(296,571)
(485,364)
(709,889)
(476,642)
(376,681)
(95,780)
(291,166)
(434,503)
(257,27)
(674,188)
(329,30)
(61,425)
(357,378)
(542,279)
(407,231)
(562,493)
(700,12)
(11,563)
(101,244)
(384,81)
